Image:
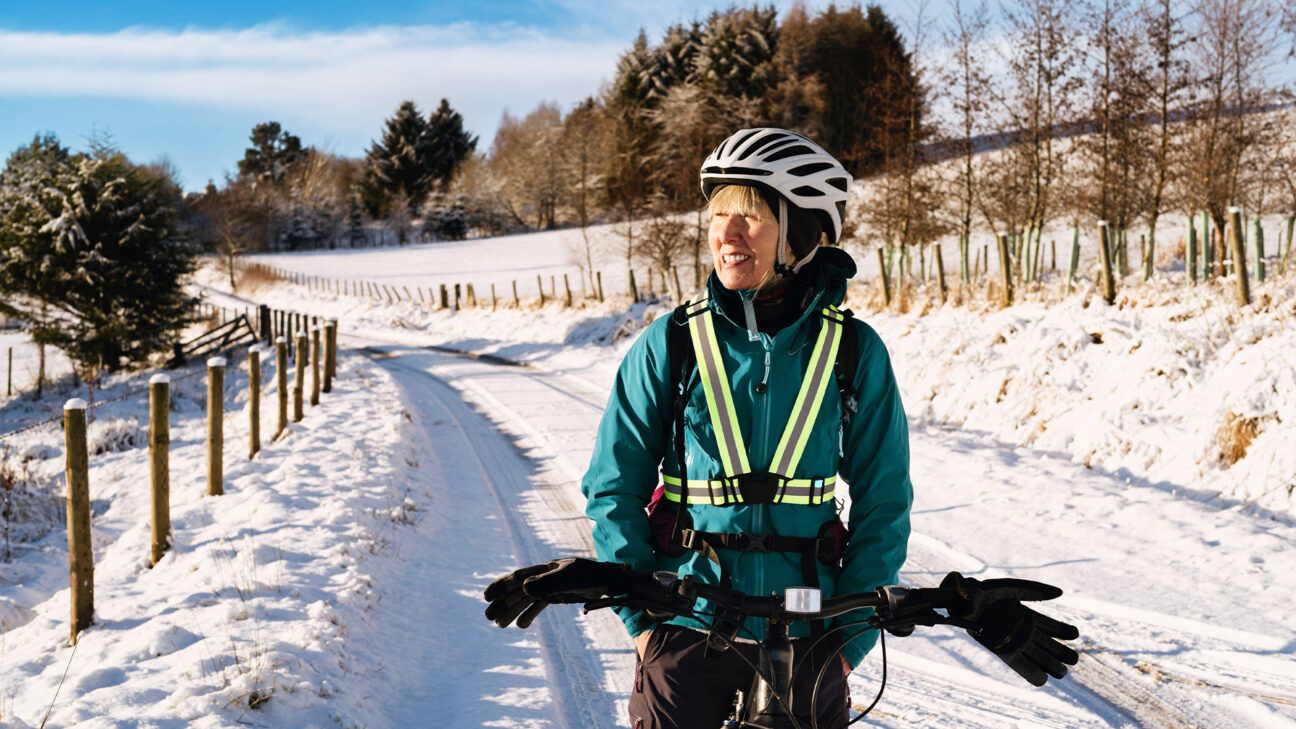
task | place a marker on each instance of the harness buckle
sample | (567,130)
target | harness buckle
(758,487)
(760,543)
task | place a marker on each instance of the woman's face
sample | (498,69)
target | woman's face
(743,247)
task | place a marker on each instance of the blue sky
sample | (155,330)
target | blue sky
(188,80)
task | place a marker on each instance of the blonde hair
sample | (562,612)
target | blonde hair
(744,200)
(739,200)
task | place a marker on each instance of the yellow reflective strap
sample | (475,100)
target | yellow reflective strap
(819,372)
(715,384)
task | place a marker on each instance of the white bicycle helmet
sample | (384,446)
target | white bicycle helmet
(788,163)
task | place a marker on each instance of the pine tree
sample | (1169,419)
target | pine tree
(448,145)
(92,239)
(273,152)
(399,163)
(673,62)
(736,57)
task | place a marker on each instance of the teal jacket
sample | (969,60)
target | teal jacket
(872,456)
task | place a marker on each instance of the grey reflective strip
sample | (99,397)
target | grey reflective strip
(729,440)
(809,408)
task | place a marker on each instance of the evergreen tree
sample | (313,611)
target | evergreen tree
(90,253)
(735,60)
(868,82)
(273,152)
(399,163)
(626,181)
(355,233)
(448,144)
(673,62)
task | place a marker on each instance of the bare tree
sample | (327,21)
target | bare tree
(584,142)
(1042,64)
(1229,56)
(968,86)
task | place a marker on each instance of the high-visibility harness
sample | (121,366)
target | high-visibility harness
(834,355)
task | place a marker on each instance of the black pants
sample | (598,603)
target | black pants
(677,686)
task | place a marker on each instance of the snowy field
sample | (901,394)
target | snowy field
(338,582)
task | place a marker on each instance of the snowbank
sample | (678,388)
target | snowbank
(244,621)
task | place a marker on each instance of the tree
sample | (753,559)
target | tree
(584,141)
(967,85)
(735,60)
(90,252)
(273,153)
(448,145)
(527,156)
(627,178)
(399,164)
(797,99)
(852,52)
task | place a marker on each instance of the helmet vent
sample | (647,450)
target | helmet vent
(808,191)
(810,169)
(841,183)
(766,142)
(736,142)
(793,151)
(736,171)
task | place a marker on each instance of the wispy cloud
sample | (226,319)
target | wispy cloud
(346,81)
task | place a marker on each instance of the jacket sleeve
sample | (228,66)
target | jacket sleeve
(622,475)
(875,462)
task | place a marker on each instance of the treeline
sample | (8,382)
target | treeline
(1117,110)
(1122,111)
(628,153)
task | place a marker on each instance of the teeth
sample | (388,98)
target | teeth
(735,258)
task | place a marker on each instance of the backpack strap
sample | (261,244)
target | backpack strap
(681,361)
(846,366)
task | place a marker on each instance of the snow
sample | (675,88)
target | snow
(338,581)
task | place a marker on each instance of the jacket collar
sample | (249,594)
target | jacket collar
(828,271)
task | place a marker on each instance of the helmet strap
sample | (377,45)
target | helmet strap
(784,251)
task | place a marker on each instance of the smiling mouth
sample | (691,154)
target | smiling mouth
(734,259)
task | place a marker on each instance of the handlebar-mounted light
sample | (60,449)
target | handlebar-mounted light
(802,600)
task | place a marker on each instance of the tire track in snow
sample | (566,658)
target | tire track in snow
(570,665)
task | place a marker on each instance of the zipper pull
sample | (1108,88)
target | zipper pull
(762,386)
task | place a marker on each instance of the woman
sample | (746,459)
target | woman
(779,393)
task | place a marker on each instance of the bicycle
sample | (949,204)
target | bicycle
(991,611)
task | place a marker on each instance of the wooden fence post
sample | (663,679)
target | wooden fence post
(472,296)
(9,389)
(299,380)
(281,381)
(1005,271)
(599,277)
(567,290)
(1075,258)
(80,552)
(1105,260)
(330,353)
(634,290)
(317,352)
(215,426)
(254,401)
(940,273)
(886,283)
(456,299)
(540,288)
(493,300)
(517,303)
(679,290)
(445,297)
(1242,283)
(160,464)
(1258,237)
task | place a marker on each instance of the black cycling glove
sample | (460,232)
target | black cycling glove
(992,612)
(522,594)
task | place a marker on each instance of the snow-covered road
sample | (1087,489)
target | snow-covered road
(1167,642)
(1182,601)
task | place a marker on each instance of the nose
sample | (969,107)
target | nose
(734,229)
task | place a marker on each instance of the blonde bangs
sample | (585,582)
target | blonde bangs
(739,200)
